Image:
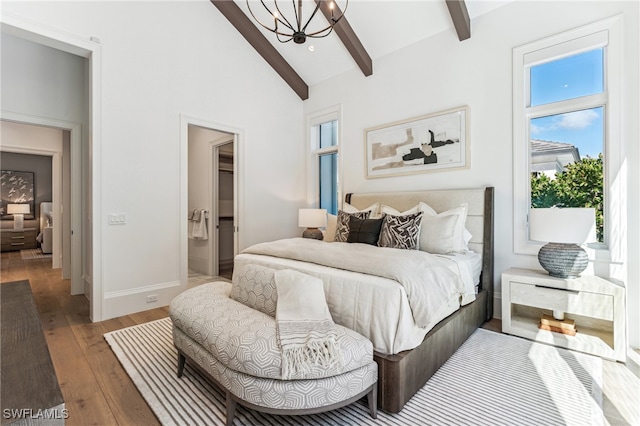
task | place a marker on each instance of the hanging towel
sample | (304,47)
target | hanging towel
(199,225)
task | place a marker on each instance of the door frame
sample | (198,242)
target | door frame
(214,202)
(90,49)
(238,192)
(74,129)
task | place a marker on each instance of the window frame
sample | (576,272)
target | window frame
(600,34)
(313,120)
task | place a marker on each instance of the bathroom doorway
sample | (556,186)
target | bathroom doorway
(211,202)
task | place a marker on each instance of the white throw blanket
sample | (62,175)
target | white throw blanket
(306,331)
(430,282)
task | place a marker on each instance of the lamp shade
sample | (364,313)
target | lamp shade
(563,225)
(18,209)
(312,218)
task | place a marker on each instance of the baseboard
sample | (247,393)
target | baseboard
(125,302)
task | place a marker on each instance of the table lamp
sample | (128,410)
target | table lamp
(18,211)
(312,219)
(563,229)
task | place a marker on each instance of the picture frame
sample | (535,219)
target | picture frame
(16,188)
(428,143)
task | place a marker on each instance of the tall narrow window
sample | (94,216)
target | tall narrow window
(565,132)
(324,153)
(566,148)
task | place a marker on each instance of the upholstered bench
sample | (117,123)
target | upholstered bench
(234,343)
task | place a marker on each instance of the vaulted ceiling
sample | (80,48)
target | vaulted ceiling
(370,29)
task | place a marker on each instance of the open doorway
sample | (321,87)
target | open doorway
(49,151)
(211,206)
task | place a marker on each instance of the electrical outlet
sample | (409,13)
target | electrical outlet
(152,298)
(117,219)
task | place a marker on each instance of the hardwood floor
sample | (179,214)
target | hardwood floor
(97,390)
(95,387)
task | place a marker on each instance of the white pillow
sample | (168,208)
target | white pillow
(384,209)
(330,231)
(437,234)
(432,240)
(373,208)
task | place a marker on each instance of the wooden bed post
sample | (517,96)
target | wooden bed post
(487,250)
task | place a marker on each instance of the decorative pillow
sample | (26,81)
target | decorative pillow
(384,209)
(437,234)
(49,219)
(330,230)
(342,224)
(365,231)
(432,240)
(373,208)
(401,232)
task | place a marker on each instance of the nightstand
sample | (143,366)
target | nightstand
(597,305)
(18,240)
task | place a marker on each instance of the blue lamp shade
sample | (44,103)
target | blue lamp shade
(564,230)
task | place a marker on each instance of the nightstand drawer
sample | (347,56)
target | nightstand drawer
(576,302)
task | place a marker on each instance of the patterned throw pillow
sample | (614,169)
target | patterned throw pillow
(342,224)
(401,232)
(365,231)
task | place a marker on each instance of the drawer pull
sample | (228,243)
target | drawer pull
(558,289)
(18,238)
(17,244)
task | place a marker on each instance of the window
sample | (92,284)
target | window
(565,140)
(324,169)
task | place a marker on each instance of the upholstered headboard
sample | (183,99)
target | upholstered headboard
(479,219)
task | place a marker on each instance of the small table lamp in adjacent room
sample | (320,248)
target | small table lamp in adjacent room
(312,219)
(563,229)
(18,211)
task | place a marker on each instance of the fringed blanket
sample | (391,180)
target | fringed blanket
(306,331)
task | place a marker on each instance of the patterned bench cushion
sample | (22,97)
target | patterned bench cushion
(281,394)
(254,286)
(244,339)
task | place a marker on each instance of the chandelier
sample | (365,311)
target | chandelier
(292,27)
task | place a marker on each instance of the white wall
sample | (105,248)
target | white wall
(161,59)
(441,73)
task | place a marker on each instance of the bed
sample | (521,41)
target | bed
(45,237)
(412,335)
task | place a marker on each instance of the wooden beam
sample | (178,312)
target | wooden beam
(252,34)
(460,18)
(349,38)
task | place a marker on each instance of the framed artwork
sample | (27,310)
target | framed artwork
(433,142)
(16,188)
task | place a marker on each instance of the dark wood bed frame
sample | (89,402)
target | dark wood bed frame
(401,375)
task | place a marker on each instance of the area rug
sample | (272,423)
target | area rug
(36,253)
(493,379)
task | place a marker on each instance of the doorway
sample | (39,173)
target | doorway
(223,184)
(211,201)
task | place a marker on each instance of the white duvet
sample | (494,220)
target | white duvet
(391,296)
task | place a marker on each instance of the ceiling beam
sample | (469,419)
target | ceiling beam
(252,34)
(460,18)
(349,38)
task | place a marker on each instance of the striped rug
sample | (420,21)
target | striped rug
(36,253)
(493,379)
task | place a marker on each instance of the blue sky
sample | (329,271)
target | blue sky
(569,78)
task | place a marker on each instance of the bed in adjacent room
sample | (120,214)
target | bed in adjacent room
(417,298)
(45,237)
